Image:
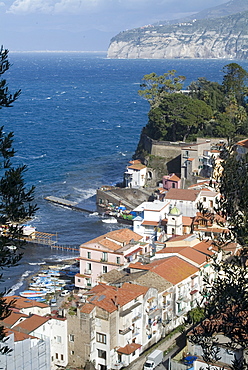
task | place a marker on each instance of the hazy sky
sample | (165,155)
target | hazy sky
(83,25)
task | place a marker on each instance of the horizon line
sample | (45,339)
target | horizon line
(58,51)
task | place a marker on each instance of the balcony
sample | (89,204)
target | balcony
(137,317)
(125,331)
(88,272)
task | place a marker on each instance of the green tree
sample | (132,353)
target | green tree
(177,117)
(210,92)
(15,200)
(155,87)
(234,82)
(226,297)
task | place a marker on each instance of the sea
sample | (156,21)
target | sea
(76,126)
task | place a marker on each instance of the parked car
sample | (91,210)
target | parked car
(64,293)
(53,302)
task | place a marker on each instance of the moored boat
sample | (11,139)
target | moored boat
(33,293)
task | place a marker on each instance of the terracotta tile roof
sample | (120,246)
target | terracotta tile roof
(110,299)
(87,308)
(193,255)
(173,269)
(187,221)
(18,336)
(138,166)
(174,178)
(13,318)
(110,244)
(243,143)
(135,161)
(129,348)
(124,235)
(150,223)
(205,247)
(135,288)
(170,250)
(182,194)
(21,302)
(108,240)
(31,323)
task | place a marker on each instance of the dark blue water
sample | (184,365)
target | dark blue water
(77,124)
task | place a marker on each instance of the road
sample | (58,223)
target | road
(178,342)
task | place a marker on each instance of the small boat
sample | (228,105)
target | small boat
(33,293)
(109,220)
(11,247)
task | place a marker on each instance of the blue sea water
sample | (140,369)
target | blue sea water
(77,124)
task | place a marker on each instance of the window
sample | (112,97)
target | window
(78,280)
(71,337)
(102,354)
(88,282)
(62,357)
(104,269)
(56,356)
(72,352)
(104,256)
(58,339)
(89,255)
(89,266)
(118,260)
(101,338)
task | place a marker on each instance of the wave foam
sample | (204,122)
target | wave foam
(17,286)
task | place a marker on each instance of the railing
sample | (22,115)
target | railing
(137,317)
(88,272)
(124,331)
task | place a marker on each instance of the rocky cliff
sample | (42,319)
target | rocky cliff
(225,37)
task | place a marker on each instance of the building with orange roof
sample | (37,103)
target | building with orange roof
(27,352)
(107,252)
(28,306)
(135,174)
(171,181)
(51,329)
(185,278)
(108,318)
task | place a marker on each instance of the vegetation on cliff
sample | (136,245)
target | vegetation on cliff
(207,109)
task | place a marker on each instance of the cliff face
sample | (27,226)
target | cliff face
(225,37)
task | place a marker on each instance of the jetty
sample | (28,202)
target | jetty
(81,207)
(38,237)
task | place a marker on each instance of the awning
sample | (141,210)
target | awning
(129,348)
(193,291)
(133,252)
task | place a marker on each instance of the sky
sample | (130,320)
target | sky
(83,25)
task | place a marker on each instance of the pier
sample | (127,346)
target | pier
(38,237)
(82,206)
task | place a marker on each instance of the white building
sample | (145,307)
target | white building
(135,175)
(150,216)
(27,352)
(48,328)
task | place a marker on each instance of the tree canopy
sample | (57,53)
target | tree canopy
(210,109)
(177,117)
(226,296)
(16,201)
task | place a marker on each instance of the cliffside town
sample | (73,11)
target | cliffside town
(134,286)
(224,37)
